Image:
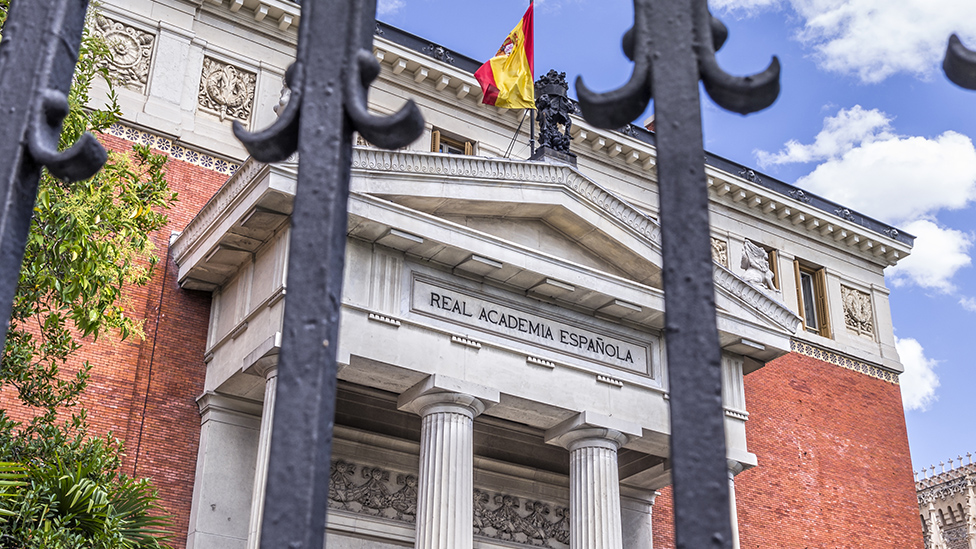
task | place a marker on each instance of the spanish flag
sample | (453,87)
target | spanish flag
(506,79)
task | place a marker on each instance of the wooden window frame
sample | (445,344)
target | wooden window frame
(818,277)
(437,138)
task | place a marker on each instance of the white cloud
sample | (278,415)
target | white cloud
(968,303)
(874,39)
(902,180)
(938,253)
(839,135)
(385,8)
(867,167)
(919,382)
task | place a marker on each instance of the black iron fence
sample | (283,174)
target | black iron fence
(672,45)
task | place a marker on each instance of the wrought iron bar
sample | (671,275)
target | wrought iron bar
(672,45)
(329,80)
(960,64)
(41,39)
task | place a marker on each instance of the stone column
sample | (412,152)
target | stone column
(594,487)
(636,509)
(261,465)
(445,489)
(734,469)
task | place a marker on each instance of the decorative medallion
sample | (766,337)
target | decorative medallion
(131,52)
(858,314)
(845,213)
(720,252)
(226,90)
(892,232)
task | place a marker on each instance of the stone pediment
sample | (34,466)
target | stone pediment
(543,230)
(551,208)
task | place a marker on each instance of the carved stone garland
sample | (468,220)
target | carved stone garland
(858,313)
(377,492)
(226,90)
(131,52)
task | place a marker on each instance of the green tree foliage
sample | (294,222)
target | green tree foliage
(89,242)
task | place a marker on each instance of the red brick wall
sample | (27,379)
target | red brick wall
(834,469)
(144,391)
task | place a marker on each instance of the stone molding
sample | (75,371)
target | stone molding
(753,296)
(171,149)
(131,49)
(245,176)
(812,351)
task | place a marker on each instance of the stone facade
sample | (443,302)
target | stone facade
(947,504)
(506,314)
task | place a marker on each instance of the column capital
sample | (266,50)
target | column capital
(263,360)
(438,393)
(734,467)
(589,429)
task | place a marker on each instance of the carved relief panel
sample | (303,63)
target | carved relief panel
(391,495)
(131,51)
(226,90)
(858,313)
(720,252)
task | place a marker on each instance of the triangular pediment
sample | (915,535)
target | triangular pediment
(554,210)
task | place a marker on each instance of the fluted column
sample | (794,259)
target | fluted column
(734,469)
(261,466)
(445,489)
(594,486)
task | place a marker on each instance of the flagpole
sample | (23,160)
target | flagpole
(532,113)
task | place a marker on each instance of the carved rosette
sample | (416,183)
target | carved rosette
(720,252)
(858,313)
(131,52)
(226,90)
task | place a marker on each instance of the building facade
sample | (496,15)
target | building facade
(502,373)
(947,504)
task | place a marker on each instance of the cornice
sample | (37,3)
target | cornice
(769,307)
(812,351)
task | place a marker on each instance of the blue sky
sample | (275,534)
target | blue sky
(865,118)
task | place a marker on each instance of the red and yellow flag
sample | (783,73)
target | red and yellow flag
(506,79)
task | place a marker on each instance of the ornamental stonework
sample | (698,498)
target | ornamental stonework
(226,90)
(720,252)
(516,520)
(131,52)
(378,492)
(858,314)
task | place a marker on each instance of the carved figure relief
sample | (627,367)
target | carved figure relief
(131,52)
(858,314)
(226,90)
(372,493)
(755,266)
(720,252)
(497,516)
(533,523)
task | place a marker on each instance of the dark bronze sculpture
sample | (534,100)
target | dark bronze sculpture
(554,107)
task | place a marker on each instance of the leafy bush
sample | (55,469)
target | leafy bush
(60,487)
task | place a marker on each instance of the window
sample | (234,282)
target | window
(811,297)
(447,144)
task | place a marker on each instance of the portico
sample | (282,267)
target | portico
(502,375)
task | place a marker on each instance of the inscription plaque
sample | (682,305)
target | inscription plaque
(469,309)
